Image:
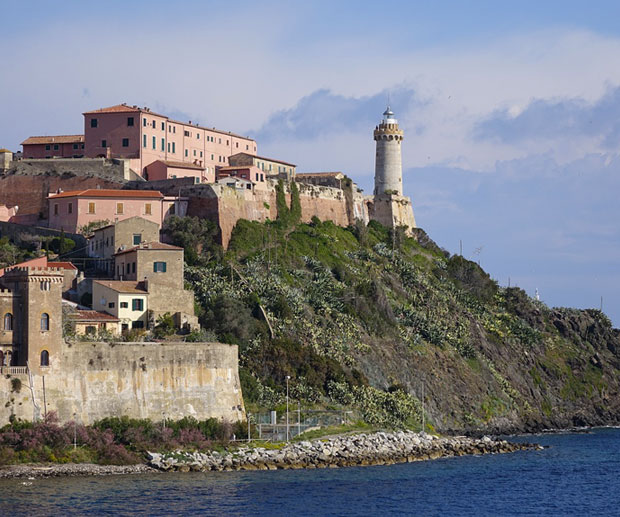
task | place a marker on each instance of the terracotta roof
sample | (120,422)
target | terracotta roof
(181,165)
(93,316)
(54,139)
(235,168)
(95,192)
(124,108)
(123,286)
(62,265)
(159,246)
(119,108)
(320,174)
(264,158)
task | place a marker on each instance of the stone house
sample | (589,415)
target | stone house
(148,283)
(269,166)
(125,234)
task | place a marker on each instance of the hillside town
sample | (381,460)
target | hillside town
(111,190)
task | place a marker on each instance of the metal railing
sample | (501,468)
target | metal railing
(13,370)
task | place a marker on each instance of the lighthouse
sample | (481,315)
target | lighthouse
(388,160)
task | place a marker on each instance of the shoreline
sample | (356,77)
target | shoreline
(351,450)
(356,450)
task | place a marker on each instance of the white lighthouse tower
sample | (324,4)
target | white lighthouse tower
(388,160)
(388,205)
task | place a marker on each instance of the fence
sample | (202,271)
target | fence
(273,427)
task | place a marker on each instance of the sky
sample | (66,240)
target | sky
(511,110)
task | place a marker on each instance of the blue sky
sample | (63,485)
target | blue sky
(510,109)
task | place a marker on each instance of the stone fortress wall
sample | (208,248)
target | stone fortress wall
(141,380)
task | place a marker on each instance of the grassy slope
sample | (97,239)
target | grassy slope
(363,320)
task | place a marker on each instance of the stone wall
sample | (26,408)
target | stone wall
(392,211)
(140,380)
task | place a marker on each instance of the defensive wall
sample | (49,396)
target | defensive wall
(140,380)
(27,183)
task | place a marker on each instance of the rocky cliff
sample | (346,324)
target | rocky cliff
(395,327)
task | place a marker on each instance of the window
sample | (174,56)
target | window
(45,321)
(55,147)
(45,358)
(91,207)
(194,152)
(111,305)
(45,285)
(70,208)
(8,321)
(173,147)
(201,154)
(168,146)
(227,142)
(219,140)
(75,146)
(262,177)
(247,147)
(48,147)
(137,324)
(163,126)
(186,152)
(82,146)
(133,267)
(144,122)
(169,128)
(237,144)
(143,140)
(185,133)
(130,121)
(174,129)
(197,136)
(93,122)
(154,124)
(123,305)
(90,329)
(163,145)
(125,142)
(104,143)
(159,267)
(257,176)
(137,238)
(154,142)
(147,209)
(249,186)
(119,208)
(137,304)
(55,208)
(212,157)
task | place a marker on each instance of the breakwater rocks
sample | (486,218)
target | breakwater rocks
(342,451)
(71,469)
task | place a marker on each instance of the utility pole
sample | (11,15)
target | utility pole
(287,434)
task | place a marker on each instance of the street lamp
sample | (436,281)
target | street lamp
(288,377)
(74,431)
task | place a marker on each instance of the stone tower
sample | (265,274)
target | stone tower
(38,315)
(388,161)
(388,205)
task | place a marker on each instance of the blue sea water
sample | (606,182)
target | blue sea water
(579,474)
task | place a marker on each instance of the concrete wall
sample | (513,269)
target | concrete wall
(140,380)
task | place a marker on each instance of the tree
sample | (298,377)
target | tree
(197,236)
(295,211)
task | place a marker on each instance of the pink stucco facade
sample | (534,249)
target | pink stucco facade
(61,146)
(145,137)
(162,170)
(69,211)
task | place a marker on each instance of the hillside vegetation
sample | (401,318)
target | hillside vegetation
(370,319)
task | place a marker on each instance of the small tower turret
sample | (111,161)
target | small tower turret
(388,160)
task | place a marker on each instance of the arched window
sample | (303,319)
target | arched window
(45,358)
(8,321)
(45,321)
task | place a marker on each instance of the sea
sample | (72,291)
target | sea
(576,474)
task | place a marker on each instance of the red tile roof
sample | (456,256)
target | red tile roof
(124,108)
(127,194)
(123,286)
(62,265)
(181,165)
(264,158)
(320,174)
(88,316)
(159,246)
(119,108)
(54,139)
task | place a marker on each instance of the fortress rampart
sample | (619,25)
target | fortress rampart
(141,380)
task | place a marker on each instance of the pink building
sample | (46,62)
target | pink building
(145,137)
(71,210)
(59,146)
(247,172)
